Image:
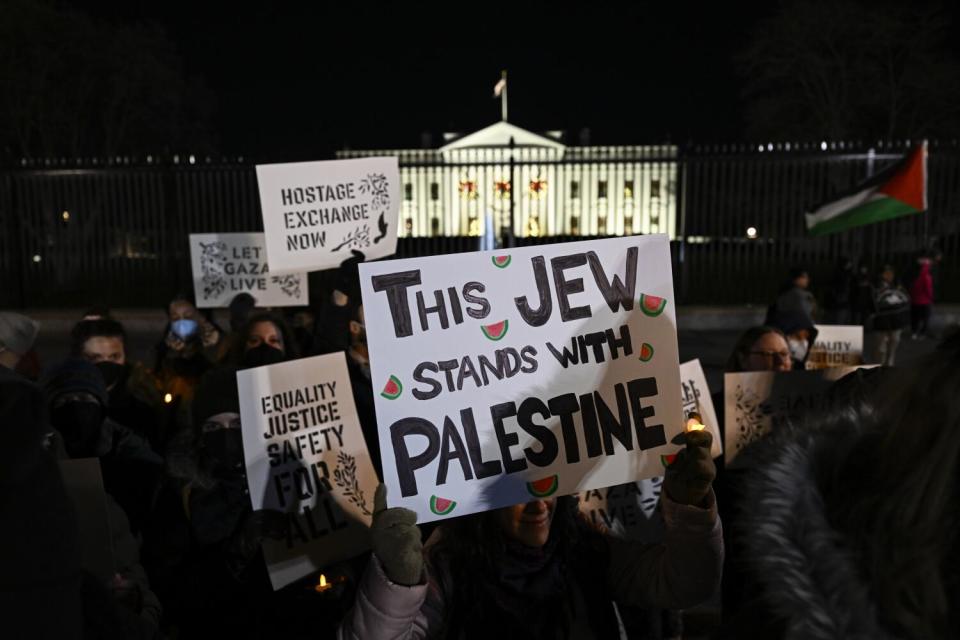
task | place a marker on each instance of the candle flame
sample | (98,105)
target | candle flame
(694,425)
(323,580)
(168,398)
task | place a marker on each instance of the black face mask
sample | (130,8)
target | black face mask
(112,372)
(79,423)
(224,449)
(261,356)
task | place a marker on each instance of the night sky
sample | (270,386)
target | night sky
(297,82)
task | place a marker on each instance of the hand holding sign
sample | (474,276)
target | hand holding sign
(689,478)
(396,541)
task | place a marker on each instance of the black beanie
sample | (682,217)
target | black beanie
(217,393)
(73,375)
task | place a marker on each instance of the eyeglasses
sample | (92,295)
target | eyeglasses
(770,355)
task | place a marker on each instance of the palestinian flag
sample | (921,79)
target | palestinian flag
(899,190)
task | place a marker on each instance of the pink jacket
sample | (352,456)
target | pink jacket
(921,291)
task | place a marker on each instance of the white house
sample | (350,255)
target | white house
(465,186)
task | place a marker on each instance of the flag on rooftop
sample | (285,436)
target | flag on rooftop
(899,190)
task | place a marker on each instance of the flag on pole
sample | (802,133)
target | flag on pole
(499,87)
(899,190)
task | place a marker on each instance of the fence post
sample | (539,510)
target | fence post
(681,205)
(511,241)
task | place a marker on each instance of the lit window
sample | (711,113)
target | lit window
(655,188)
(434,191)
(574,189)
(601,188)
(628,189)
(408,191)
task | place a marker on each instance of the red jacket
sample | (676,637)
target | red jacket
(921,291)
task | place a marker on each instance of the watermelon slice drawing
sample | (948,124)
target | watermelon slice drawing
(393,388)
(652,305)
(496,331)
(668,459)
(544,487)
(501,262)
(646,352)
(441,506)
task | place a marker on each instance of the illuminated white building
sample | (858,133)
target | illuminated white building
(465,186)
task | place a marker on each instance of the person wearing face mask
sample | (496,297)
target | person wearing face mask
(537,569)
(76,397)
(263,340)
(78,401)
(800,333)
(134,398)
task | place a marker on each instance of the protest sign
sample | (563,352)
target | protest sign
(696,398)
(758,401)
(315,213)
(627,510)
(306,457)
(84,485)
(225,264)
(836,346)
(523,372)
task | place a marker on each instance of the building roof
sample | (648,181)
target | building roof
(498,135)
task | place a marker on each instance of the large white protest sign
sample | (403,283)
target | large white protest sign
(523,372)
(696,398)
(758,401)
(306,457)
(315,213)
(225,264)
(836,346)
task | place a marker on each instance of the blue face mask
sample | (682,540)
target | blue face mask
(184,328)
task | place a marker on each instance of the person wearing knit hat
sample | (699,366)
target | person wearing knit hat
(17,335)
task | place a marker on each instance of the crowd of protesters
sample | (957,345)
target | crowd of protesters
(840,526)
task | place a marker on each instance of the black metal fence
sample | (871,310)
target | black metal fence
(82,233)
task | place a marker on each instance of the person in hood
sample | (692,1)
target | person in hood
(78,400)
(850,519)
(921,299)
(241,306)
(17,335)
(134,398)
(537,569)
(265,339)
(794,297)
(800,334)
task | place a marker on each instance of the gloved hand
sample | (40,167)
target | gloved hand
(688,479)
(396,541)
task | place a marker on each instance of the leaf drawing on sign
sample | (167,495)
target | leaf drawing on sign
(382,224)
(377,185)
(753,417)
(345,475)
(213,259)
(289,284)
(359,237)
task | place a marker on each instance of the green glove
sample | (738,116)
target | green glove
(688,479)
(396,541)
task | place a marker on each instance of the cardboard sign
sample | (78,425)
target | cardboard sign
(84,485)
(759,401)
(306,457)
(522,373)
(626,511)
(696,398)
(836,346)
(315,213)
(225,264)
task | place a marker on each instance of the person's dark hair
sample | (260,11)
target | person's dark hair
(97,311)
(472,549)
(745,343)
(895,498)
(290,347)
(240,308)
(86,329)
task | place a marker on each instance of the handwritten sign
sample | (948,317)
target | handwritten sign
(225,264)
(696,398)
(759,401)
(523,372)
(836,346)
(306,457)
(315,213)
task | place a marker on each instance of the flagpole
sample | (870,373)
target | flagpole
(503,96)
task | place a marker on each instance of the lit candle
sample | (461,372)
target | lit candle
(168,398)
(694,425)
(323,585)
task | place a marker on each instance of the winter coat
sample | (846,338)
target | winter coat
(921,291)
(795,300)
(796,575)
(137,403)
(680,573)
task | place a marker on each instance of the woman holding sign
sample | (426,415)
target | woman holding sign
(538,569)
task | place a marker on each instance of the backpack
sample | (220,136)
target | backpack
(892,309)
